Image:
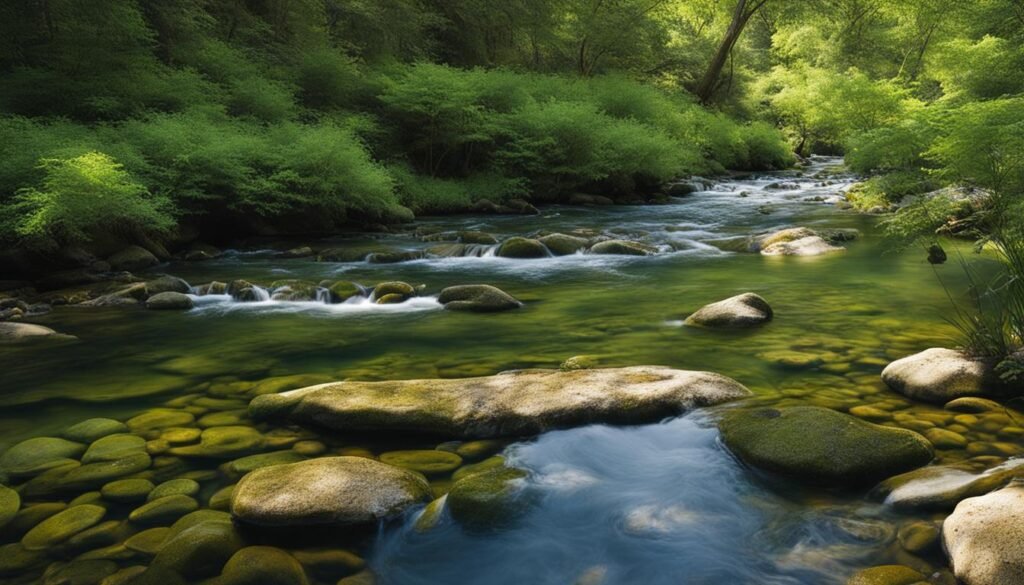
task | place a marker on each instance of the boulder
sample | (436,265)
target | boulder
(512,403)
(984,538)
(488,499)
(292,290)
(623,248)
(400,290)
(132,258)
(942,487)
(343,290)
(262,565)
(129,295)
(13,333)
(563,245)
(169,301)
(328,490)
(940,375)
(809,246)
(167,284)
(517,247)
(738,312)
(480,298)
(198,551)
(821,445)
(887,575)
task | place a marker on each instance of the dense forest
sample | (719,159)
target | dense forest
(150,119)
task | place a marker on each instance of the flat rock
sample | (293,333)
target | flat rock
(939,375)
(479,298)
(329,490)
(92,429)
(169,301)
(623,248)
(942,487)
(62,526)
(11,332)
(10,503)
(38,454)
(984,538)
(512,403)
(227,442)
(738,312)
(822,445)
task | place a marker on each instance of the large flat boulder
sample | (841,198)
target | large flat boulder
(328,490)
(821,445)
(984,538)
(940,375)
(521,402)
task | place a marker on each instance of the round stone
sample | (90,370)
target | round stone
(263,565)
(62,526)
(36,455)
(92,429)
(127,490)
(163,511)
(945,439)
(427,462)
(174,487)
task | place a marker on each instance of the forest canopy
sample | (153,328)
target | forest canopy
(137,117)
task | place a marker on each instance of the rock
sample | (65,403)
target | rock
(299,252)
(329,564)
(517,247)
(588,199)
(984,538)
(939,375)
(104,534)
(401,290)
(476,450)
(329,490)
(10,503)
(972,405)
(513,403)
(92,429)
(94,475)
(427,461)
(480,298)
(821,445)
(225,442)
(936,255)
(148,541)
(33,456)
(623,248)
(809,246)
(391,299)
(132,258)
(199,551)
(887,575)
(293,290)
(62,526)
(127,490)
(563,245)
(159,418)
(163,511)
(169,301)
(941,487)
(12,333)
(262,565)
(212,288)
(199,251)
(79,572)
(174,487)
(114,447)
(343,290)
(15,559)
(167,284)
(742,311)
(431,515)
(943,439)
(393,257)
(919,538)
(780,237)
(488,499)
(244,465)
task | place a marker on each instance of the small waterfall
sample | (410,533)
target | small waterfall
(323,295)
(481,250)
(490,251)
(261,293)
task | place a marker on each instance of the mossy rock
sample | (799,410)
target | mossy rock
(738,312)
(181,435)
(517,247)
(427,461)
(132,258)
(887,575)
(822,445)
(480,298)
(623,248)
(564,245)
(16,559)
(114,447)
(62,526)
(225,442)
(221,499)
(199,551)
(391,299)
(174,487)
(37,455)
(293,290)
(330,564)
(477,450)
(160,418)
(344,290)
(244,465)
(262,565)
(393,257)
(92,429)
(401,289)
(94,475)
(102,535)
(149,541)
(431,515)
(10,503)
(127,490)
(169,301)
(167,283)
(79,572)
(488,499)
(919,538)
(163,511)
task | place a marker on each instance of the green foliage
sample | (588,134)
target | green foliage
(429,195)
(83,197)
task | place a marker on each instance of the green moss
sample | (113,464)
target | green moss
(488,499)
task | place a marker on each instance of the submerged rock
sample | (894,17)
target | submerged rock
(810,246)
(12,333)
(563,245)
(742,311)
(329,490)
(939,375)
(480,298)
(887,575)
(62,526)
(941,487)
(262,565)
(425,461)
(167,283)
(39,454)
(623,248)
(822,445)
(984,538)
(488,499)
(199,550)
(517,247)
(92,429)
(10,503)
(512,403)
(225,442)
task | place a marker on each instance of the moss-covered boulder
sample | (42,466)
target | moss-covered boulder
(391,299)
(738,312)
(476,237)
(521,402)
(425,461)
(517,247)
(36,455)
(479,298)
(344,290)
(887,575)
(10,503)
(399,290)
(563,244)
(62,526)
(623,248)
(169,301)
(328,490)
(821,445)
(92,429)
(175,487)
(293,290)
(167,283)
(488,499)
(132,258)
(262,565)
(199,551)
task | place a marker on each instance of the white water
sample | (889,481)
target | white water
(222,304)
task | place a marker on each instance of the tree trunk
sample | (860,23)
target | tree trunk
(740,16)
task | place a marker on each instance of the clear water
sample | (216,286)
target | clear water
(652,504)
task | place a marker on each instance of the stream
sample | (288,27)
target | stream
(659,503)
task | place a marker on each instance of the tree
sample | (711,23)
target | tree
(741,15)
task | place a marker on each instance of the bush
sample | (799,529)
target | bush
(428,195)
(83,197)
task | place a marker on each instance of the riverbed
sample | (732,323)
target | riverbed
(658,503)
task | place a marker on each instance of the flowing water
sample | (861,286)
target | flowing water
(661,503)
